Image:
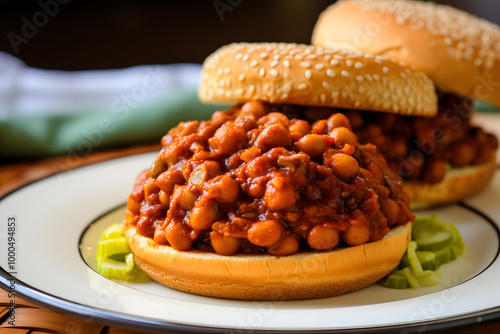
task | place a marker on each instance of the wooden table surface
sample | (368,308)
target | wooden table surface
(31,318)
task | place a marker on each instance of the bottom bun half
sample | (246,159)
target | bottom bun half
(459,184)
(266,277)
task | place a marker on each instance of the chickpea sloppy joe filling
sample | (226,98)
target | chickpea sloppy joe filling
(252,180)
(420,148)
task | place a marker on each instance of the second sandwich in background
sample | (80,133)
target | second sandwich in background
(443,158)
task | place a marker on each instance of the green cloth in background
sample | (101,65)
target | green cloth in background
(87,132)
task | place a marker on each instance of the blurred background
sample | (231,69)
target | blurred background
(100,34)
(47,113)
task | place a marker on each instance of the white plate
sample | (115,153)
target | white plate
(54,215)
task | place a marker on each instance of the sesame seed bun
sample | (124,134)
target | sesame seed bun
(458,51)
(315,76)
(265,277)
(459,184)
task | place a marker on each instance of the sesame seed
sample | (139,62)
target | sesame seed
(302,86)
(262,71)
(284,96)
(323,97)
(254,63)
(327,57)
(277,57)
(334,62)
(344,73)
(403,75)
(402,63)
(359,78)
(325,84)
(305,64)
(219,71)
(299,57)
(286,63)
(251,89)
(274,63)
(348,62)
(241,77)
(339,57)
(263,55)
(312,56)
(220,91)
(361,89)
(227,70)
(245,57)
(335,95)
(273,72)
(238,56)
(376,77)
(319,66)
(330,73)
(358,65)
(385,69)
(239,92)
(308,74)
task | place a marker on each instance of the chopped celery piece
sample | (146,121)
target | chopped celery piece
(114,257)
(433,244)
(112,232)
(396,280)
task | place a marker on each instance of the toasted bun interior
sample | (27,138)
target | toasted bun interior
(458,51)
(459,184)
(265,277)
(313,76)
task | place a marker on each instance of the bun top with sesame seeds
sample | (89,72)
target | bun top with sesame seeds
(315,76)
(458,51)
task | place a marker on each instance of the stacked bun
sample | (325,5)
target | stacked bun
(459,52)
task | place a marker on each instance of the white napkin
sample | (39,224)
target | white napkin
(31,91)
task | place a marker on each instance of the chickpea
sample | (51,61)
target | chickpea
(338,120)
(168,179)
(178,236)
(280,193)
(390,209)
(323,238)
(224,189)
(355,119)
(397,149)
(265,233)
(274,117)
(301,127)
(227,139)
(159,236)
(286,246)
(357,234)
(320,127)
(133,206)
(202,217)
(204,172)
(462,154)
(344,166)
(274,135)
(434,171)
(185,196)
(224,245)
(255,108)
(164,198)
(312,144)
(343,136)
